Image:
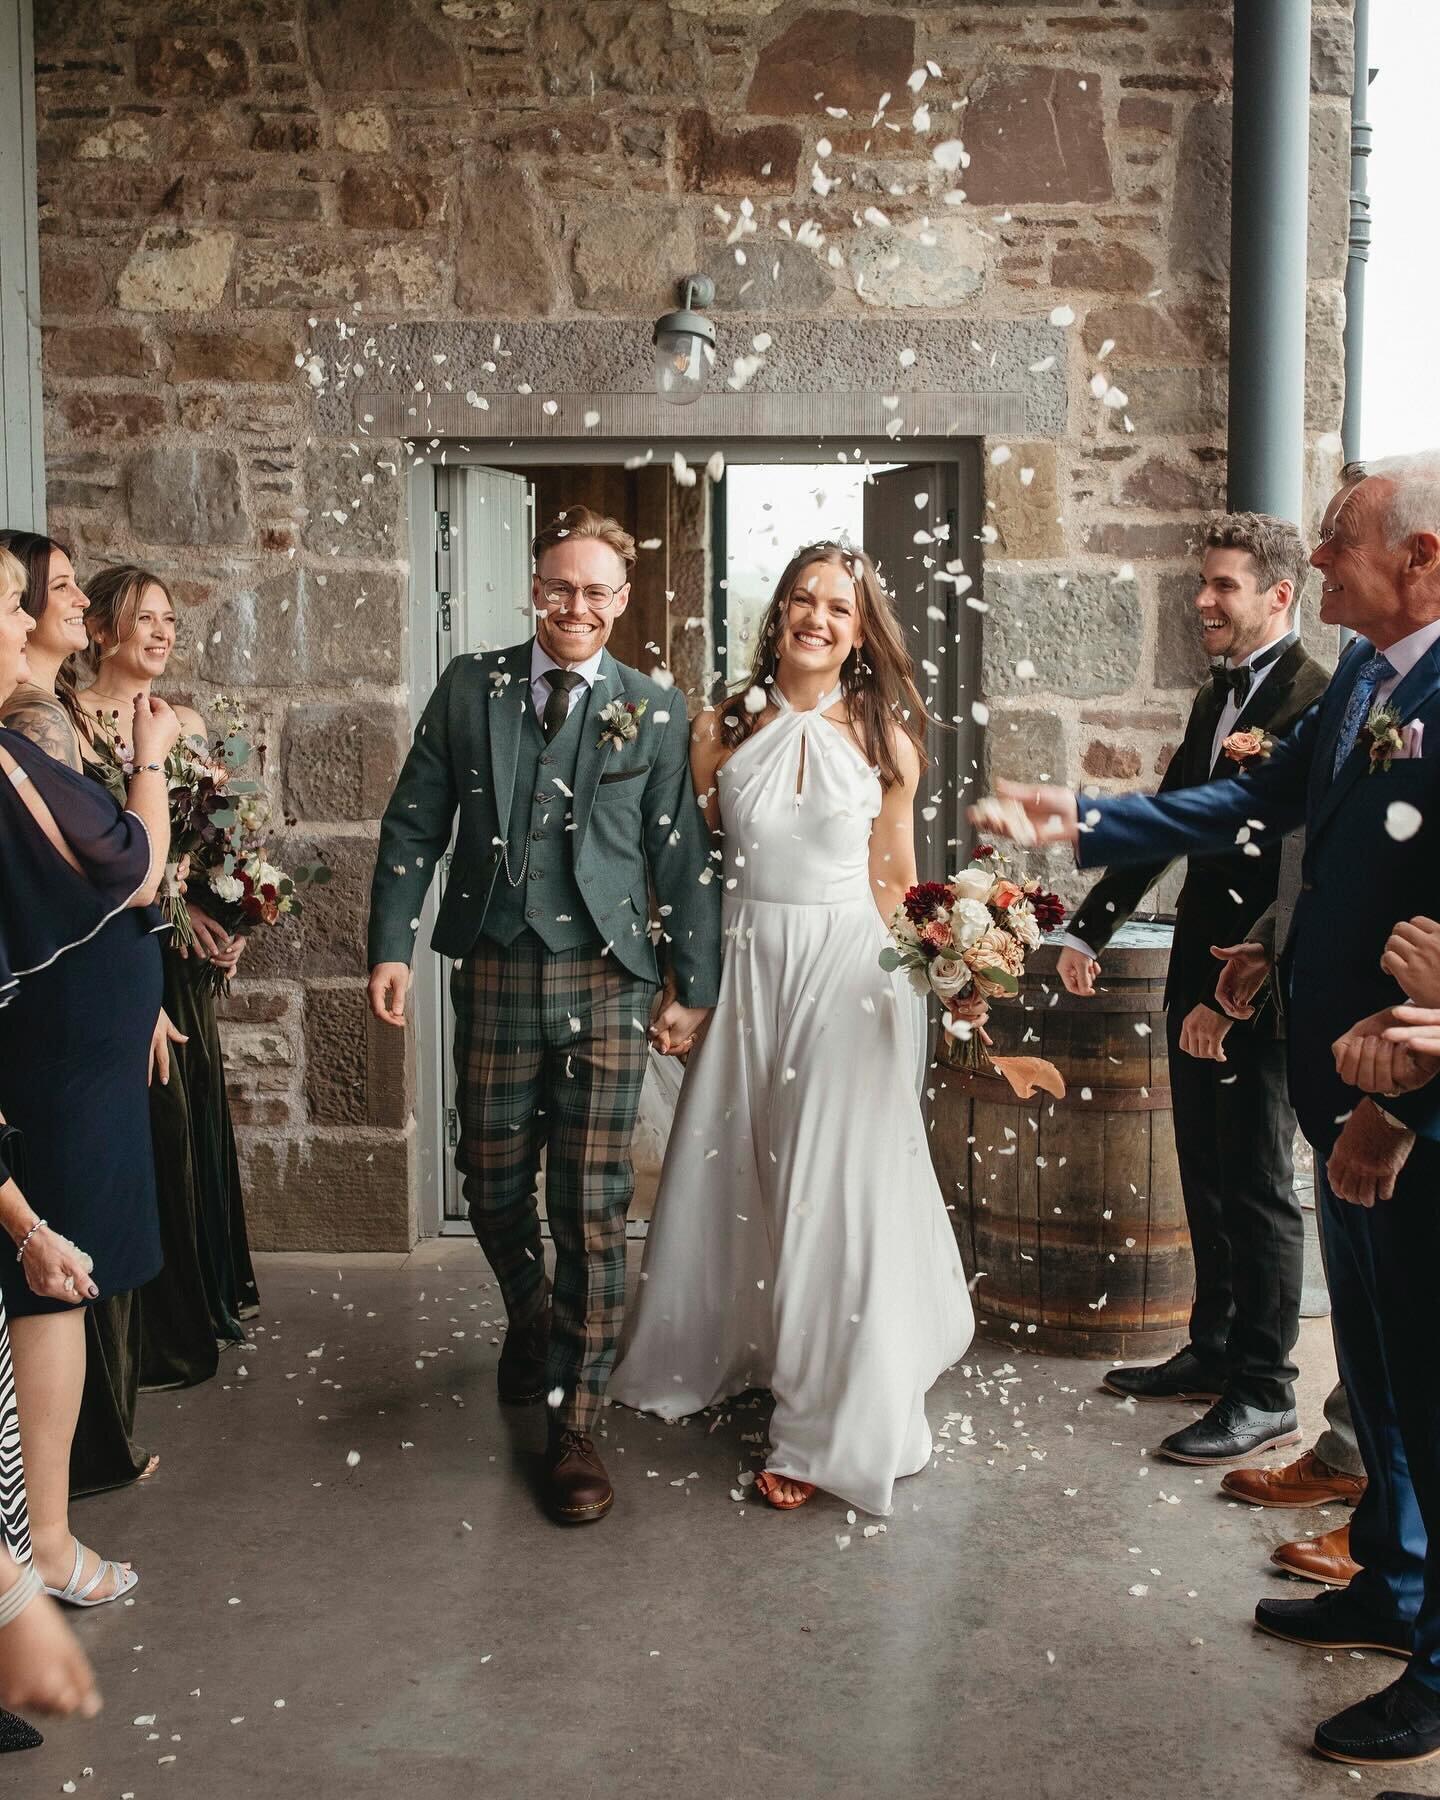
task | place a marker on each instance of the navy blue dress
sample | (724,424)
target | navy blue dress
(80,990)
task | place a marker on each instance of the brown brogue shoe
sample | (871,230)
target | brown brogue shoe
(1324,1559)
(520,1379)
(1306,1482)
(577,1489)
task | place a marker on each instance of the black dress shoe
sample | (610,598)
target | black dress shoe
(1230,1433)
(1181,1377)
(17,1734)
(1400,1724)
(1333,1621)
(521,1376)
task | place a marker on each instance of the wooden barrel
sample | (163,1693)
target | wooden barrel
(1068,1212)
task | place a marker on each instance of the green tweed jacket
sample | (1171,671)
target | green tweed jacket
(636,823)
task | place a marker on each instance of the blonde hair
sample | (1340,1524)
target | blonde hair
(580,522)
(115,595)
(12,571)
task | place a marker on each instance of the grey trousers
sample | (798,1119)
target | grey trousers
(1336,1443)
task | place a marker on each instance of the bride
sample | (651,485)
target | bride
(799,1241)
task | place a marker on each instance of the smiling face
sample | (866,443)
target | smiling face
(821,624)
(572,628)
(1366,582)
(1237,615)
(15,627)
(148,641)
(60,611)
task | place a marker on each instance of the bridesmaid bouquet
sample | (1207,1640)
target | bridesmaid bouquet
(968,938)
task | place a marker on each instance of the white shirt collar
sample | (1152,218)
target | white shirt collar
(1403,655)
(542,662)
(1284,642)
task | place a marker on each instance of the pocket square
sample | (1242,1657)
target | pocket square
(1412,738)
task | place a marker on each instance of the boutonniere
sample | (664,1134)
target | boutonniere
(1247,747)
(621,719)
(1383,737)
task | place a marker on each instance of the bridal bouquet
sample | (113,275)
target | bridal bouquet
(968,938)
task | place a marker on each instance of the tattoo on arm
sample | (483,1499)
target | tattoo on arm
(47,725)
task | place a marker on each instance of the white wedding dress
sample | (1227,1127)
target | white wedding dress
(799,1241)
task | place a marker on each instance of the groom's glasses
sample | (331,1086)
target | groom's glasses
(562,593)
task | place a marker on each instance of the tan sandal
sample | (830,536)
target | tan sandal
(767,1486)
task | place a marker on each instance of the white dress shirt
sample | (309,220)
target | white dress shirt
(1403,657)
(541,663)
(1229,714)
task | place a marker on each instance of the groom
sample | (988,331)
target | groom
(570,774)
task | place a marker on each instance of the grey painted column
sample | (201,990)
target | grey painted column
(1359,255)
(1268,230)
(22,453)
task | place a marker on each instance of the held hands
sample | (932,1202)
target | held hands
(1392,1052)
(1028,815)
(1077,970)
(1368,1157)
(163,1036)
(676,1029)
(1412,956)
(389,984)
(1203,1033)
(1245,972)
(156,729)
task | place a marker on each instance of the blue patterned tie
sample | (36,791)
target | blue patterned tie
(1378,669)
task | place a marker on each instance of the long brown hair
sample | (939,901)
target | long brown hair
(877,679)
(114,595)
(34,552)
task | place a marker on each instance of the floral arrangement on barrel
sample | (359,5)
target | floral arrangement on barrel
(221,825)
(968,937)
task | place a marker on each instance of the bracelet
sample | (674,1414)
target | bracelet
(14,1602)
(142,768)
(39,1225)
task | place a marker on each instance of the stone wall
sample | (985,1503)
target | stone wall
(255,212)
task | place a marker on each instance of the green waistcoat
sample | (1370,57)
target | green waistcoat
(546,898)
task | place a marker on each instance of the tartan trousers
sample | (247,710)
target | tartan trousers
(550,1053)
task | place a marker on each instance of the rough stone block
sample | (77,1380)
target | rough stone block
(341,762)
(353,504)
(1111,267)
(176,270)
(847,58)
(1024,745)
(249,1004)
(1110,762)
(88,479)
(1200,210)
(109,351)
(936,265)
(1138,543)
(70,283)
(293,132)
(1332,53)
(118,416)
(1139,112)
(1180,659)
(355,1067)
(785,278)
(1175,402)
(379,46)
(328,936)
(715,160)
(1329,219)
(294,274)
(374,198)
(186,497)
(628,258)
(1037,133)
(1083,638)
(190,68)
(1166,484)
(1143,332)
(319,1192)
(261,353)
(405,277)
(647,48)
(506,260)
(1025,514)
(306,628)
(364,130)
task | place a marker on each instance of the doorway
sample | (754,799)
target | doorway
(712,546)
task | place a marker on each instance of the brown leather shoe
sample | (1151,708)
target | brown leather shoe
(1324,1559)
(520,1379)
(577,1489)
(1308,1482)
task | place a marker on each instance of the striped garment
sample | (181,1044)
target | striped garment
(14,1519)
(550,1052)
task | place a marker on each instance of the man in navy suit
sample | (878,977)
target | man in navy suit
(1361,772)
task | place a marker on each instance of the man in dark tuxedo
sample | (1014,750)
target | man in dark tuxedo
(1233,1124)
(1361,772)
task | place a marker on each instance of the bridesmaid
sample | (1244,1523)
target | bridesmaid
(76,1038)
(208,1285)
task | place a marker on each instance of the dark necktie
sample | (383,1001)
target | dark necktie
(557,702)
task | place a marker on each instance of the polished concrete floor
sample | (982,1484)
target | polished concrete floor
(1049,1613)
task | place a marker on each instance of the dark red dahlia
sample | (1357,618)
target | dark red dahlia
(925,900)
(1049,908)
(981,851)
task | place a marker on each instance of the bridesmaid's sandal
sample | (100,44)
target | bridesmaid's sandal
(82,1593)
(771,1487)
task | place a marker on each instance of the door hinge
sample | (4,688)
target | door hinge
(452,1127)
(445,614)
(442,527)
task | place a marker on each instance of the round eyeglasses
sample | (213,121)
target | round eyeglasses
(562,593)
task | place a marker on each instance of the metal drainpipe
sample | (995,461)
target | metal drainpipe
(1359,256)
(1269,215)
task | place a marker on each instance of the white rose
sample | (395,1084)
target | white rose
(969,920)
(949,976)
(973,884)
(228,888)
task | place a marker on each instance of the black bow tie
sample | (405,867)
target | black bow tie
(1232,681)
